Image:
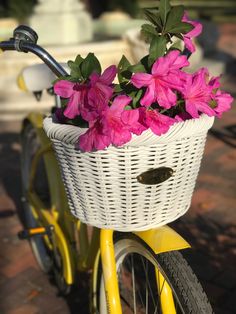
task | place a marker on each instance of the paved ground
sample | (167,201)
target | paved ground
(210,226)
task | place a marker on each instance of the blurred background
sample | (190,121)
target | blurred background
(110,28)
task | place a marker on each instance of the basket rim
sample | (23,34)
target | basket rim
(69,134)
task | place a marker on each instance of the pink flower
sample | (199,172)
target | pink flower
(77,94)
(223,101)
(133,119)
(100,92)
(114,126)
(214,82)
(193,33)
(165,76)
(157,122)
(197,94)
(94,138)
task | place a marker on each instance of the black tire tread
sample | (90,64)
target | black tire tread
(185,283)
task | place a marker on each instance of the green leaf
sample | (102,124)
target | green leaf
(137,97)
(75,70)
(118,88)
(180,28)
(126,74)
(75,67)
(122,69)
(157,49)
(139,67)
(128,107)
(154,19)
(164,9)
(144,62)
(147,28)
(174,17)
(90,65)
(79,59)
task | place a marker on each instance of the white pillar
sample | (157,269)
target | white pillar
(61,22)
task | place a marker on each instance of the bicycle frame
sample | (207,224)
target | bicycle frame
(67,228)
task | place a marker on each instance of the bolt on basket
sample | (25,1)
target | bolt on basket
(102,186)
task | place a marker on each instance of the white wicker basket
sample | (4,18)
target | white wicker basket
(102,186)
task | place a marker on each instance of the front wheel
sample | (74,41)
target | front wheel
(149,283)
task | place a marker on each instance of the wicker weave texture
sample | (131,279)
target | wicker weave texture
(102,187)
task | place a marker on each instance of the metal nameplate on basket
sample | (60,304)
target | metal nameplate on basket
(155,176)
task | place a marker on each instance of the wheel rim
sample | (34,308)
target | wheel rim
(138,294)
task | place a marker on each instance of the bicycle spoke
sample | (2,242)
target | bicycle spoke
(147,280)
(133,283)
(146,270)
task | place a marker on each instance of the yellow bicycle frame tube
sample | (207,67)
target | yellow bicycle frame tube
(109,272)
(166,296)
(59,201)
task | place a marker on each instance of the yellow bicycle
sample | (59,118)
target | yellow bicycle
(134,272)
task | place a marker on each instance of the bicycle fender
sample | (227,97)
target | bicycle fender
(162,239)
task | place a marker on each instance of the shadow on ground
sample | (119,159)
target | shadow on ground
(227,135)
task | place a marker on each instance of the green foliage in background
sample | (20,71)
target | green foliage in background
(18,9)
(129,6)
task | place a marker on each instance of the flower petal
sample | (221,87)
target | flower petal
(108,75)
(94,138)
(158,123)
(141,79)
(224,101)
(150,96)
(72,109)
(64,88)
(120,135)
(165,96)
(119,104)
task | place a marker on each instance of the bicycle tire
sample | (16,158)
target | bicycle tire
(30,145)
(188,294)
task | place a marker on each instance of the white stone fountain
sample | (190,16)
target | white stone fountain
(61,22)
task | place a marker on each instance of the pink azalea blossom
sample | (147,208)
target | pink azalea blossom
(94,138)
(88,99)
(100,92)
(224,101)
(196,31)
(77,94)
(214,82)
(197,94)
(164,78)
(157,122)
(133,119)
(114,125)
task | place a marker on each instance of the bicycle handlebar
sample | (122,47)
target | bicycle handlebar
(26,44)
(25,39)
